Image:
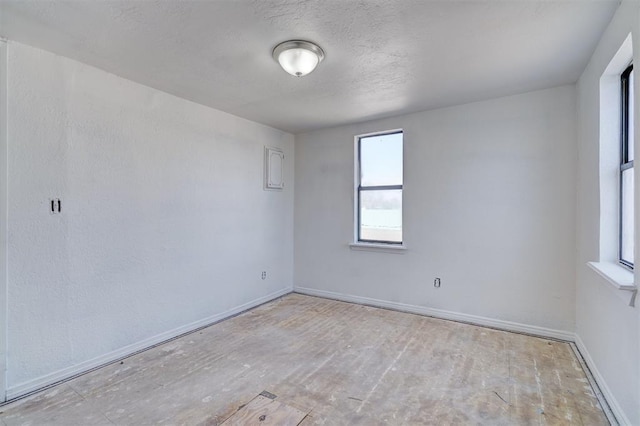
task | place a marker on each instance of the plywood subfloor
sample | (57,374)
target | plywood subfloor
(343,364)
(265,411)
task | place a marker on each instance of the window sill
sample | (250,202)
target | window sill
(389,248)
(617,276)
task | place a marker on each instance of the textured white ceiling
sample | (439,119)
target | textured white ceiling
(384,57)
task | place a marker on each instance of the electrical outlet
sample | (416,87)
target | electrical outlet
(55,206)
(436,282)
(264,275)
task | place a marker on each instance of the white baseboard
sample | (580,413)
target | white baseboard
(442,314)
(78,369)
(602,384)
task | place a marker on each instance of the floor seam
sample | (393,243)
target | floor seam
(89,402)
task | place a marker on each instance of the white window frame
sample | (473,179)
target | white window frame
(391,246)
(608,265)
(625,162)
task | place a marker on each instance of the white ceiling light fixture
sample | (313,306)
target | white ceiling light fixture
(298,57)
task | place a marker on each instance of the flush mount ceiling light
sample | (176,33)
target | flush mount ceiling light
(298,57)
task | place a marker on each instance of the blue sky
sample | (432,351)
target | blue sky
(381,160)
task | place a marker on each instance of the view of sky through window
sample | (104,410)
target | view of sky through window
(627,228)
(381,208)
(381,160)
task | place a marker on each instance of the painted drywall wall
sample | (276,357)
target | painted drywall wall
(489,207)
(164,219)
(606,326)
(3,214)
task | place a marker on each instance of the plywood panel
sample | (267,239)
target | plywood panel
(265,411)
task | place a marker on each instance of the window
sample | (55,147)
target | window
(616,135)
(379,188)
(626,238)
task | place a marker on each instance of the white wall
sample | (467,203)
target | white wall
(489,207)
(3,216)
(607,327)
(164,220)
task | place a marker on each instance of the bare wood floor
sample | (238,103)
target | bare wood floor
(340,363)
